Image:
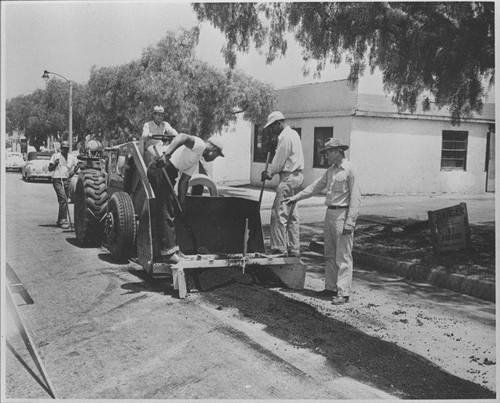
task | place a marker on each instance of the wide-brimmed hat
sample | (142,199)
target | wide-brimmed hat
(65,144)
(158,109)
(334,143)
(217,143)
(274,117)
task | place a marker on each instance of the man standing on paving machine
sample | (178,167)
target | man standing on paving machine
(63,165)
(288,162)
(343,199)
(182,155)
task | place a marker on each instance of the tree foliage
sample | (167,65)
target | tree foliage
(116,101)
(198,99)
(442,51)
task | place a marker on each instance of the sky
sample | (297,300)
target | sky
(69,38)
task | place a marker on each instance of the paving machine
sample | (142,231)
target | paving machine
(116,206)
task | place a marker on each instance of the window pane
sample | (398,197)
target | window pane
(321,136)
(454,150)
(262,144)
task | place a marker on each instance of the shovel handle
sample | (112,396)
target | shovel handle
(264,181)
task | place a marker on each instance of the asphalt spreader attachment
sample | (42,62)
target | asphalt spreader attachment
(206,272)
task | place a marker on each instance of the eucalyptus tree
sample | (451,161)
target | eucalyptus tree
(439,51)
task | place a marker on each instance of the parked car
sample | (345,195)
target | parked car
(13,161)
(37,166)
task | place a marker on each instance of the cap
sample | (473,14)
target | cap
(333,143)
(158,109)
(217,143)
(65,144)
(274,117)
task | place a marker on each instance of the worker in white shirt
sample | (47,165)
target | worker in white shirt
(62,165)
(182,155)
(157,126)
(343,200)
(288,162)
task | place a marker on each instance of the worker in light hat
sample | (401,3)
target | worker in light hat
(343,200)
(181,156)
(62,165)
(157,126)
(288,163)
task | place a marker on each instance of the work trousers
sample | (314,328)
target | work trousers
(338,253)
(285,219)
(62,192)
(163,212)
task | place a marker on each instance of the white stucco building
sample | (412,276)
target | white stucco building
(395,153)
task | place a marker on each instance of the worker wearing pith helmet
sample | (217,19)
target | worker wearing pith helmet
(157,126)
(63,165)
(181,156)
(288,163)
(343,200)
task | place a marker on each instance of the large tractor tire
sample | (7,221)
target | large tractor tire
(90,200)
(121,226)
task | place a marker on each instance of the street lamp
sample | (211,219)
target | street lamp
(46,78)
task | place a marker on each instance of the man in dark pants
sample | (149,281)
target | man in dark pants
(63,165)
(182,156)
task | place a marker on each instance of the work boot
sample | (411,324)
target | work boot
(173,258)
(340,300)
(63,225)
(292,253)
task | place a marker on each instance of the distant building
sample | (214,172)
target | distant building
(395,153)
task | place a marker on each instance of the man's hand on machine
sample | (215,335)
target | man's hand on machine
(288,201)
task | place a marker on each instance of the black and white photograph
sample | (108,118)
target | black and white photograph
(255,201)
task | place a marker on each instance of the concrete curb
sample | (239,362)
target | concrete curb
(469,285)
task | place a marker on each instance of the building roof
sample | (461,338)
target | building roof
(382,105)
(340,98)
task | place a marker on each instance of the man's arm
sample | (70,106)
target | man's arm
(354,202)
(182,139)
(54,162)
(170,130)
(282,152)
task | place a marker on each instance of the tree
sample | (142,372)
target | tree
(441,51)
(198,99)
(116,101)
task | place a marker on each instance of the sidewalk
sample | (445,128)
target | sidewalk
(480,209)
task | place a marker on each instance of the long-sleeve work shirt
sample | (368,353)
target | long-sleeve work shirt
(289,156)
(342,189)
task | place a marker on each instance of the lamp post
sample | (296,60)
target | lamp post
(70,123)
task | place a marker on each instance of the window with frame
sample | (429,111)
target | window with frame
(264,143)
(321,136)
(454,150)
(260,145)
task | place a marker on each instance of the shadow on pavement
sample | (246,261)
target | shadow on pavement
(349,351)
(149,284)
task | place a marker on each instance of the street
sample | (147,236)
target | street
(104,331)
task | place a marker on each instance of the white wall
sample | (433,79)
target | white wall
(404,156)
(234,168)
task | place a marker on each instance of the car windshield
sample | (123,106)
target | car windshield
(38,156)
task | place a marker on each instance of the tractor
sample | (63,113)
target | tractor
(114,206)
